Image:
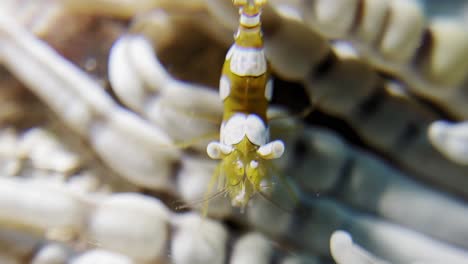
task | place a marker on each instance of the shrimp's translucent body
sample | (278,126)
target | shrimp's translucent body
(245,88)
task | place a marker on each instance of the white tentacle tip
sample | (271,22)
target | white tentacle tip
(272,150)
(450,139)
(216,150)
(438,130)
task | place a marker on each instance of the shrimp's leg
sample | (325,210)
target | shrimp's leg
(294,194)
(213,180)
(193,141)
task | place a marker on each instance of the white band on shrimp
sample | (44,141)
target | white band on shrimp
(247,61)
(240,125)
(249,21)
(272,150)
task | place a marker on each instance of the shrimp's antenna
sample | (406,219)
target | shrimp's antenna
(184,205)
(268,199)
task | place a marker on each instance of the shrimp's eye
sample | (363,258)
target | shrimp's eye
(255,172)
(253,164)
(239,167)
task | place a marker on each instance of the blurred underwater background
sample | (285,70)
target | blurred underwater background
(98,96)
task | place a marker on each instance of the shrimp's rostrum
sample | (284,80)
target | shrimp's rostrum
(245,88)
